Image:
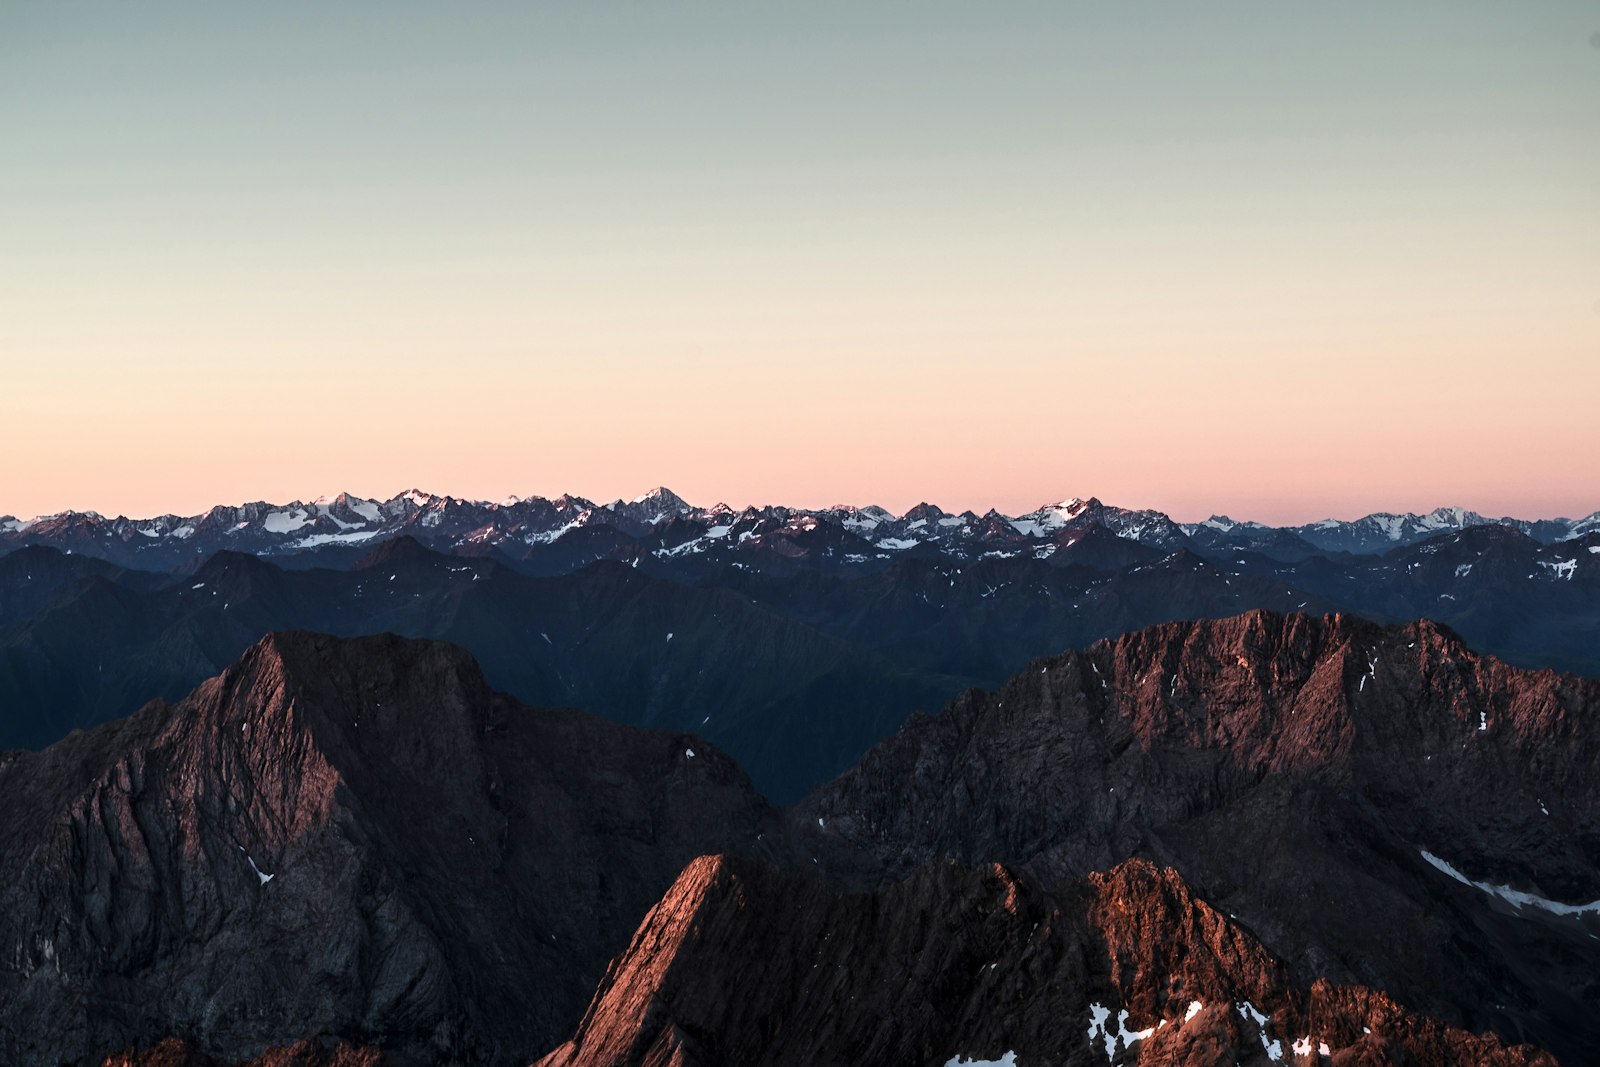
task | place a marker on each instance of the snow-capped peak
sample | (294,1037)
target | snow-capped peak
(662,495)
(1450,519)
(1051,517)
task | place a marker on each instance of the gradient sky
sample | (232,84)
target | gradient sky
(1279,260)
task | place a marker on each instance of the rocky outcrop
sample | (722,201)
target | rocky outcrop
(740,964)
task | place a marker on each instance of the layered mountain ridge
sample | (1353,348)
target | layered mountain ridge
(1317,829)
(795,672)
(663,526)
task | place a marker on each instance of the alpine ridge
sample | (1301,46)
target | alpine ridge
(776,647)
(662,525)
(1321,830)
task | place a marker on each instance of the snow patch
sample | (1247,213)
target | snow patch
(1099,1017)
(1272,1047)
(282,522)
(318,540)
(1008,1060)
(265,878)
(1097,1028)
(337,521)
(1515,897)
(1391,525)
(1049,518)
(550,536)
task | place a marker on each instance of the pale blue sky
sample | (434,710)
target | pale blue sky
(1012,251)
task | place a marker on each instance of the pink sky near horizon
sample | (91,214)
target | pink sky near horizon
(188,489)
(1194,411)
(1010,402)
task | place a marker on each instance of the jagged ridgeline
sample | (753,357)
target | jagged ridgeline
(1240,841)
(662,526)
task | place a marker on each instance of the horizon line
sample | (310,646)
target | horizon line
(513,499)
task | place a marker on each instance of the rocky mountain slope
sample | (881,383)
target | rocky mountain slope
(1381,806)
(353,839)
(740,964)
(1314,827)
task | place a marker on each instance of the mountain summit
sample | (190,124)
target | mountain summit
(353,838)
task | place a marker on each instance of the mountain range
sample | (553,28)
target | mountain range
(555,535)
(1270,838)
(307,786)
(794,666)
